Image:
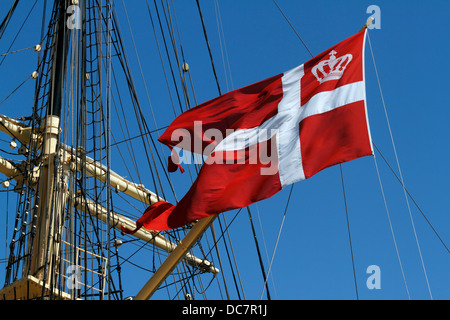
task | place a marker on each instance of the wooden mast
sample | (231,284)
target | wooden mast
(50,191)
(71,161)
(174,258)
(52,184)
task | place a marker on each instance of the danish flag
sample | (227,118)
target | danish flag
(304,120)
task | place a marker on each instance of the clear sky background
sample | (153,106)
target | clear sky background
(313,259)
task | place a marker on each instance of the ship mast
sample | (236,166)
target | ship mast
(49,180)
(52,184)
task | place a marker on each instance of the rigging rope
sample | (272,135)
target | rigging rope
(161,59)
(8,18)
(139,109)
(223,46)
(18,32)
(20,50)
(167,53)
(16,89)
(265,247)
(234,257)
(169,24)
(278,237)
(209,48)
(414,201)
(259,253)
(390,226)
(399,169)
(213,232)
(349,235)
(292,27)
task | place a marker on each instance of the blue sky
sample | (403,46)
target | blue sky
(313,259)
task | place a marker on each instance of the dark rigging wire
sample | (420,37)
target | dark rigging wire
(259,253)
(209,48)
(414,201)
(18,32)
(292,27)
(349,235)
(8,18)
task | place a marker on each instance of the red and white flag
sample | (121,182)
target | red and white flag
(266,136)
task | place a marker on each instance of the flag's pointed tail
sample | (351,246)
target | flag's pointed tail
(157,210)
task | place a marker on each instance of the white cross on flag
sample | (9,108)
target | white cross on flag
(268,135)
